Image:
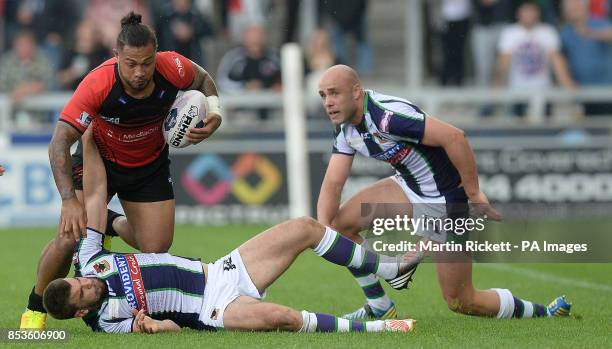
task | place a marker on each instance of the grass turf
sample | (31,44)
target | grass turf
(316,285)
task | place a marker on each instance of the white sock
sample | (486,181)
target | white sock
(326,242)
(309,322)
(374,326)
(506,303)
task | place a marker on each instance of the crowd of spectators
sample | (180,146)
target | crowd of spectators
(519,44)
(51,44)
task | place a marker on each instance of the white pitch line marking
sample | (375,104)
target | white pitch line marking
(549,277)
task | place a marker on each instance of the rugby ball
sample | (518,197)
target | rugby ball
(188,110)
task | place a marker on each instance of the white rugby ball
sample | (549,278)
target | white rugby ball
(188,110)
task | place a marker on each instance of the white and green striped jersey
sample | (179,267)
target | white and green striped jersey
(166,286)
(391,130)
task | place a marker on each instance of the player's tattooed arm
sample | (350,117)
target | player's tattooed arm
(204,82)
(73,219)
(63,138)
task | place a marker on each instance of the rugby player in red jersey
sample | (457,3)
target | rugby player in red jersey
(125,100)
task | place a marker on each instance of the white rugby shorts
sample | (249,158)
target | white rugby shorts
(425,207)
(227,279)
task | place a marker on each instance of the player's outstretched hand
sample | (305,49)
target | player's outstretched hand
(143,323)
(212,122)
(73,220)
(484,208)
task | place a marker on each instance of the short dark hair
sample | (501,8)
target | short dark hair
(533,3)
(56,300)
(134,33)
(25,33)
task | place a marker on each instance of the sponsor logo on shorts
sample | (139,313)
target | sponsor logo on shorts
(215,314)
(228,265)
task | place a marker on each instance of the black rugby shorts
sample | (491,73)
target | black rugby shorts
(149,183)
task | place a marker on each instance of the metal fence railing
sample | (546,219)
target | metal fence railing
(433,100)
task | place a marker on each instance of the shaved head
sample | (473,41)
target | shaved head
(342,95)
(343,74)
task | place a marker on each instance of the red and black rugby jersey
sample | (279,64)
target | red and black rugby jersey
(128,131)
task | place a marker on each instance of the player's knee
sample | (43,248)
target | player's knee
(310,229)
(459,302)
(308,222)
(64,243)
(155,246)
(346,227)
(285,319)
(453,304)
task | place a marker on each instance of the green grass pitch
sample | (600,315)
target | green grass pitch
(316,285)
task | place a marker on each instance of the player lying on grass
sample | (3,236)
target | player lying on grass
(435,176)
(156,292)
(126,100)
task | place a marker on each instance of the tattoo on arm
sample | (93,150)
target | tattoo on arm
(203,82)
(59,157)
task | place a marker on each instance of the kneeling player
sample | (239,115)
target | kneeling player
(155,292)
(435,177)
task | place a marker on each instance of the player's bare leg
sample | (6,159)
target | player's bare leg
(455,278)
(152,224)
(269,254)
(124,230)
(246,313)
(350,221)
(249,314)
